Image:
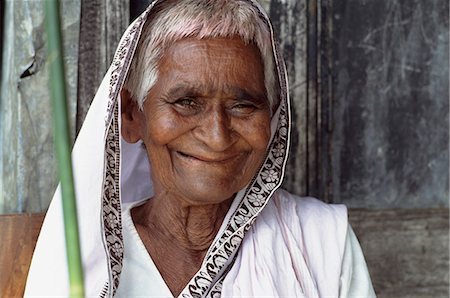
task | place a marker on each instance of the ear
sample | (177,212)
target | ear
(131,118)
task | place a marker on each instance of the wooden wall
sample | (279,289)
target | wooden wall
(390,79)
(369,85)
(18,234)
(27,165)
(102,23)
(407,251)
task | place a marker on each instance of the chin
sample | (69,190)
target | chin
(209,192)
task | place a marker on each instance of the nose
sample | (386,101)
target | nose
(215,130)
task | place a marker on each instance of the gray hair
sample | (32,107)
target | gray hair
(172,20)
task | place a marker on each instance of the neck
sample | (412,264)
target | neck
(191,227)
(177,235)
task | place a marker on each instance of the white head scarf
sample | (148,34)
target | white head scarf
(109,172)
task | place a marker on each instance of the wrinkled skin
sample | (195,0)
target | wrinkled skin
(206,126)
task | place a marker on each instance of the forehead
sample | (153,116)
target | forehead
(233,47)
(226,62)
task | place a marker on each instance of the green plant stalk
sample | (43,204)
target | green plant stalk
(62,147)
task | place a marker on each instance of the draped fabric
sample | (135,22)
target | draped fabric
(295,248)
(110,172)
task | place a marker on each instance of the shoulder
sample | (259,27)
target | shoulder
(310,211)
(322,226)
(313,231)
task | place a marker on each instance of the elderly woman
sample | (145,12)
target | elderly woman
(178,168)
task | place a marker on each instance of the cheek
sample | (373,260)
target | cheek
(162,128)
(257,136)
(257,133)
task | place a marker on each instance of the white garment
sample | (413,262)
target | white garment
(139,277)
(298,247)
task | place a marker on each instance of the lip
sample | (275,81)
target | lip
(208,159)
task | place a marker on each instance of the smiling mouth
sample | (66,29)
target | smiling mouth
(218,159)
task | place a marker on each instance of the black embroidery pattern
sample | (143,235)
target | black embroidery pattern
(216,289)
(111,202)
(104,291)
(121,62)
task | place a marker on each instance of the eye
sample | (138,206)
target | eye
(244,108)
(187,106)
(185,102)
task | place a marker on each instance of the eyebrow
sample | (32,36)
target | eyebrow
(238,93)
(244,94)
(181,90)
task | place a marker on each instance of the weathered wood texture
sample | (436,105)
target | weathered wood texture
(27,165)
(18,234)
(290,21)
(407,251)
(390,139)
(102,23)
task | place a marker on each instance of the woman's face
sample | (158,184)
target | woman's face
(206,122)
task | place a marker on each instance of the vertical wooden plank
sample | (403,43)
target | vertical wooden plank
(290,24)
(312,97)
(91,60)
(101,26)
(117,20)
(324,97)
